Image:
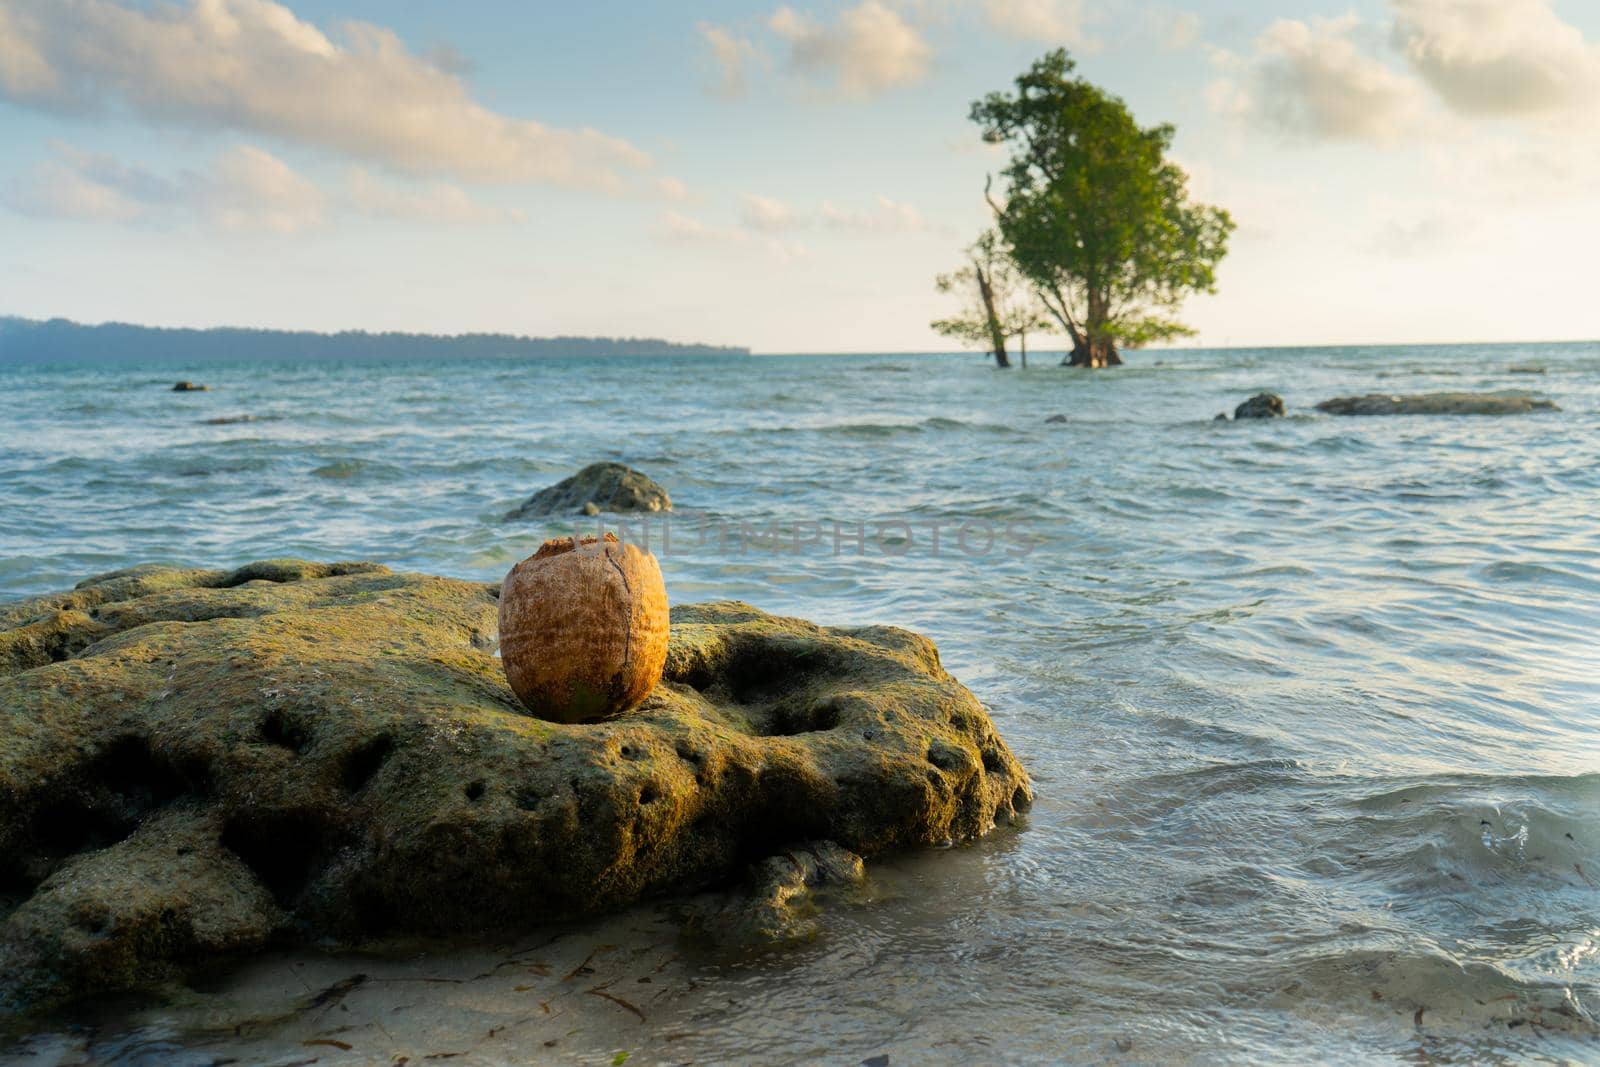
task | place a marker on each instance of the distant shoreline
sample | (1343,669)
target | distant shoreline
(58,340)
(62,340)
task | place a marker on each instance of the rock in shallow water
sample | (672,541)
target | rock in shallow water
(202,762)
(598,487)
(775,905)
(1261,406)
(1436,404)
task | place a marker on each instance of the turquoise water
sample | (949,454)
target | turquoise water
(1311,704)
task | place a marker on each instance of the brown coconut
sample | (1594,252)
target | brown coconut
(583,628)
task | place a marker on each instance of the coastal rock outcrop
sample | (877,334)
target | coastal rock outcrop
(202,762)
(1261,406)
(598,487)
(1436,404)
(190,387)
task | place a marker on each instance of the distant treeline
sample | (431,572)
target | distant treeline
(60,340)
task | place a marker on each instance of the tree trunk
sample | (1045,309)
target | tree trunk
(1023,338)
(1096,352)
(1094,347)
(997,336)
(1103,353)
(1079,356)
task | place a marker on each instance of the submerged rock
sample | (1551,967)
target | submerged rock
(233,420)
(776,903)
(1436,404)
(1261,406)
(190,387)
(202,762)
(598,487)
(1055,420)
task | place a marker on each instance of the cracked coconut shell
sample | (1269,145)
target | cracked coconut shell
(583,628)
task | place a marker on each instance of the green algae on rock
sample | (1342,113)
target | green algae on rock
(598,487)
(201,762)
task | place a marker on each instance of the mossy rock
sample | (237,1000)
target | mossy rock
(201,762)
(598,487)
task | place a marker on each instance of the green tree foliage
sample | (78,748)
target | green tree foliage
(1095,216)
(1001,302)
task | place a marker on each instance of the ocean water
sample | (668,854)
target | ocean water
(1312,705)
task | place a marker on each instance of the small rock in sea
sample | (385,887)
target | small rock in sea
(319,746)
(190,387)
(583,628)
(1525,368)
(1260,406)
(1221,416)
(230,420)
(1436,404)
(607,486)
(1056,419)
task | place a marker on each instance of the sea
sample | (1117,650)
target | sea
(1311,704)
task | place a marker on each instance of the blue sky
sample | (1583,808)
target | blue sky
(789,177)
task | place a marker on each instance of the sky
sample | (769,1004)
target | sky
(789,177)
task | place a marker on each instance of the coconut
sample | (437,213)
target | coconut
(583,628)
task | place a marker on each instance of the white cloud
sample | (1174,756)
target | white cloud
(733,55)
(671,188)
(371,195)
(869,49)
(1498,57)
(1530,168)
(885,216)
(1417,236)
(1175,31)
(1053,21)
(1311,78)
(24,71)
(244,188)
(249,189)
(674,227)
(765,213)
(56,189)
(253,66)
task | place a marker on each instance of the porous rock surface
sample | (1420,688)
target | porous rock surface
(598,487)
(200,762)
(1436,404)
